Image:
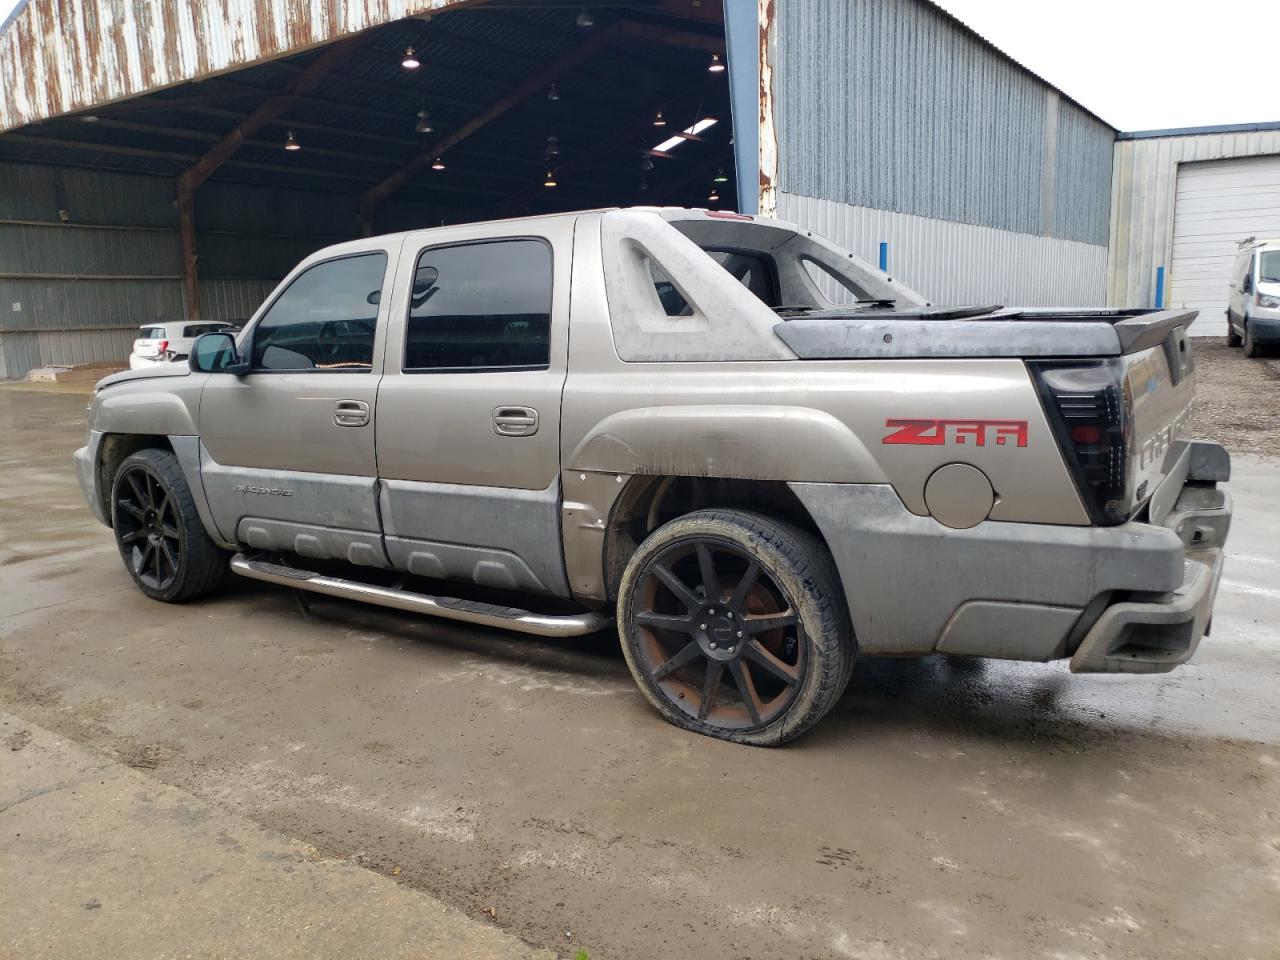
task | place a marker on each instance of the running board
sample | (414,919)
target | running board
(468,611)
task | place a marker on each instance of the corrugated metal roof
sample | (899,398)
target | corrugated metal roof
(59,56)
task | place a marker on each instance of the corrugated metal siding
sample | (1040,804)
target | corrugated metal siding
(83,287)
(1144,184)
(890,104)
(957,263)
(64,55)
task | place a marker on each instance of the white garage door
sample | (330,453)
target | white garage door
(1219,203)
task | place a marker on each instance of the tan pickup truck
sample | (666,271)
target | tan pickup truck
(762,455)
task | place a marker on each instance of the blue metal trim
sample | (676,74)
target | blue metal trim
(884,255)
(742,47)
(1159,287)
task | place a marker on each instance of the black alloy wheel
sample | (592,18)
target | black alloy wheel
(734,625)
(147,525)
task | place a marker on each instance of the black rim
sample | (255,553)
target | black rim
(717,635)
(146,524)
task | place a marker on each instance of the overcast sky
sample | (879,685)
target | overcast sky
(1138,64)
(1144,64)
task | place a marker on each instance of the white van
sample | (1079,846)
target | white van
(1253,308)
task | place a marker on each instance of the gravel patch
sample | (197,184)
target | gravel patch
(1237,399)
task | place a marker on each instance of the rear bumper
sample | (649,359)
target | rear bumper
(1133,598)
(1155,634)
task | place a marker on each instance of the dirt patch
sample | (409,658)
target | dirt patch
(1237,399)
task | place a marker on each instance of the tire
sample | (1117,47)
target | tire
(1233,338)
(159,534)
(1251,348)
(769,636)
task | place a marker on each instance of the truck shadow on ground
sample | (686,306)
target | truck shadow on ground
(1029,704)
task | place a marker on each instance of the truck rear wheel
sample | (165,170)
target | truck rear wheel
(163,543)
(734,626)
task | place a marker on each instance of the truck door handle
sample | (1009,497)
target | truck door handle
(515,421)
(351,413)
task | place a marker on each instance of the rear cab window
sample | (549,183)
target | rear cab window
(151,333)
(480,306)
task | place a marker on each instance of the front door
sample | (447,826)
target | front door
(288,459)
(468,425)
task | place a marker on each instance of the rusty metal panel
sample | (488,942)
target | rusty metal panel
(1144,186)
(60,56)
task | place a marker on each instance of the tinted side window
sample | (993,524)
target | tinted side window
(480,305)
(326,318)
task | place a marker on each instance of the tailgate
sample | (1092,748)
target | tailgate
(1160,381)
(148,347)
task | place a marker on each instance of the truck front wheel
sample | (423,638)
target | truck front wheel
(163,543)
(734,626)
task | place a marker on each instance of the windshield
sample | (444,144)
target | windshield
(1269,266)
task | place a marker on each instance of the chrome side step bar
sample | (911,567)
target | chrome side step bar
(468,611)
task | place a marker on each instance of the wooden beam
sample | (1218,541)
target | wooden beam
(535,84)
(187,241)
(266,111)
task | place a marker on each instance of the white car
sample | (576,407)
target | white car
(167,342)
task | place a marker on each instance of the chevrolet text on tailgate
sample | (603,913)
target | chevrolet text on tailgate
(762,455)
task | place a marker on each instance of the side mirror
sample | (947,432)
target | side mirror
(216,353)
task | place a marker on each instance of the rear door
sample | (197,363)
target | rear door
(468,425)
(288,459)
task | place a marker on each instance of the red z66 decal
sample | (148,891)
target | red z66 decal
(935,433)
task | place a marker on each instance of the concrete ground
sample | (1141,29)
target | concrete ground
(1011,810)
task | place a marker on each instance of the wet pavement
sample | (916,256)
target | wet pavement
(1008,810)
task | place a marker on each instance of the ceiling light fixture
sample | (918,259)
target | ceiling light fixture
(720,177)
(424,122)
(646,164)
(90,118)
(291,142)
(553,93)
(410,62)
(716,65)
(550,180)
(705,123)
(659,120)
(585,19)
(714,195)
(437,164)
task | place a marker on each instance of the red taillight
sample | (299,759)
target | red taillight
(1086,434)
(162,346)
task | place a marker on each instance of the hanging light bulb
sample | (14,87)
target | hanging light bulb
(720,177)
(585,19)
(553,146)
(424,123)
(644,183)
(659,120)
(550,180)
(410,62)
(716,65)
(714,195)
(553,93)
(291,142)
(437,164)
